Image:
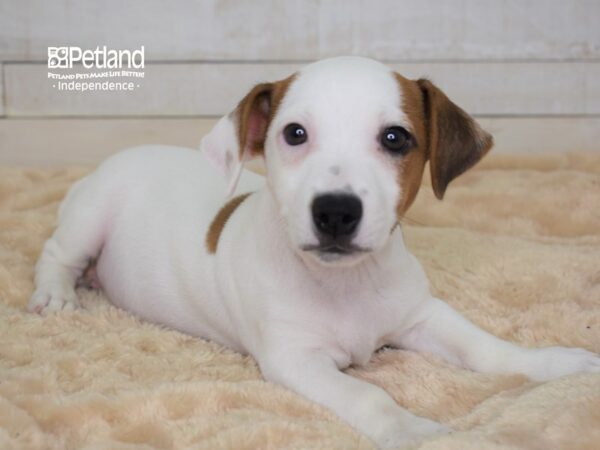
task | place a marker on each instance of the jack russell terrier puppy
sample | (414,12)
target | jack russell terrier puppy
(307,272)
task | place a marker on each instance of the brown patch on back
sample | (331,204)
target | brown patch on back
(410,171)
(255,112)
(218,223)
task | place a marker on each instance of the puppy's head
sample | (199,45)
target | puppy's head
(345,142)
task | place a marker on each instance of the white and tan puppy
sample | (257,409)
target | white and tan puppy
(309,272)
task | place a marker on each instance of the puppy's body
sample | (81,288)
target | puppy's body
(190,283)
(159,243)
(308,273)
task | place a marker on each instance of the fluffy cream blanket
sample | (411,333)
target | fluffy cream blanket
(515,247)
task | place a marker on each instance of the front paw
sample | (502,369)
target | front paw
(553,362)
(410,432)
(49,300)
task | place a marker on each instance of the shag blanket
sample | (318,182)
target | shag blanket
(515,246)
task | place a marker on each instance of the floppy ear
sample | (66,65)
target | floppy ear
(239,136)
(455,141)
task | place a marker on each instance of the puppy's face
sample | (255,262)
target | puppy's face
(345,141)
(334,153)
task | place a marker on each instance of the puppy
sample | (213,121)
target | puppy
(306,271)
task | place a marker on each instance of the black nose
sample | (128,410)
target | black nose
(336,215)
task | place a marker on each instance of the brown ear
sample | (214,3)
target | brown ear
(240,135)
(254,113)
(252,118)
(455,141)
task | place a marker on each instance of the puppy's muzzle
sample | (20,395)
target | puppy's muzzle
(336,218)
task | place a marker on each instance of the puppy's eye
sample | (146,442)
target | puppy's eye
(295,134)
(396,140)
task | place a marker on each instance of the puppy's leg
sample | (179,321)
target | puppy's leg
(66,254)
(364,406)
(444,332)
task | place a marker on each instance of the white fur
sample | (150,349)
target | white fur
(145,213)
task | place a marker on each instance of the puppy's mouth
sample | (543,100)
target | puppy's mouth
(334,251)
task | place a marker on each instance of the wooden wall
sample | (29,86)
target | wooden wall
(519,65)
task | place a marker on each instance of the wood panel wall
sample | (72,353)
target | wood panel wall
(515,63)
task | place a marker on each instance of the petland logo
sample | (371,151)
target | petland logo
(100,58)
(120,64)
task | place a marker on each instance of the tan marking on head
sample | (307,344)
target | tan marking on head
(410,171)
(219,221)
(255,112)
(446,135)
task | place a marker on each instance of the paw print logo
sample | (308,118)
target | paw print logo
(58,57)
